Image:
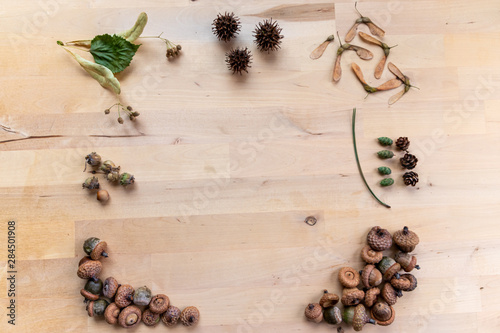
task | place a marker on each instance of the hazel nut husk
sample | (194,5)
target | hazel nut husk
(371,276)
(389,294)
(352,296)
(389,268)
(190,316)
(110,286)
(124,296)
(328,299)
(91,183)
(159,303)
(407,282)
(379,239)
(113,176)
(370,256)
(93,159)
(95,247)
(383,313)
(171,316)
(406,240)
(111,313)
(349,277)
(90,269)
(97,308)
(130,316)
(126,179)
(150,318)
(332,315)
(314,312)
(371,296)
(407,261)
(357,317)
(142,296)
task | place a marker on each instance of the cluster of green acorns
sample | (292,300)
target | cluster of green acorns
(121,303)
(381,280)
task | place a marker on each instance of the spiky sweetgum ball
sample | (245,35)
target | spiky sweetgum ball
(268,36)
(226,26)
(239,60)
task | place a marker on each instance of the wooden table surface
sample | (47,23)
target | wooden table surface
(229,166)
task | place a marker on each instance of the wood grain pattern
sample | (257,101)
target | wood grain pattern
(228,167)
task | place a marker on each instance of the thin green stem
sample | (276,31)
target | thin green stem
(357,158)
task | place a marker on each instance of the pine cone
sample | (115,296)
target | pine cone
(226,26)
(267,35)
(239,60)
(410,178)
(403,143)
(385,141)
(409,161)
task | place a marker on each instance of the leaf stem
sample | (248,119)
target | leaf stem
(75,47)
(357,158)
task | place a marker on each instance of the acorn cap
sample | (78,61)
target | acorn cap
(99,250)
(90,308)
(328,299)
(171,316)
(360,318)
(149,318)
(406,240)
(379,239)
(352,296)
(349,277)
(332,315)
(88,295)
(190,316)
(130,316)
(90,269)
(314,312)
(383,314)
(389,294)
(111,314)
(407,282)
(407,261)
(159,303)
(124,295)
(370,276)
(371,296)
(110,287)
(370,256)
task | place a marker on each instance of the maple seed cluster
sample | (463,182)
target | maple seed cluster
(121,303)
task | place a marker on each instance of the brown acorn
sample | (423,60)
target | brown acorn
(383,314)
(379,239)
(328,299)
(370,276)
(84,259)
(371,297)
(389,268)
(90,269)
(406,240)
(226,26)
(110,287)
(159,303)
(97,308)
(92,289)
(150,318)
(390,295)
(239,60)
(357,317)
(407,261)
(403,143)
(95,248)
(130,316)
(349,277)
(314,312)
(268,36)
(190,316)
(111,314)
(124,295)
(371,256)
(407,282)
(171,316)
(352,296)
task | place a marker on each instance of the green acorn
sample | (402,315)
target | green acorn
(385,141)
(387,182)
(383,170)
(385,154)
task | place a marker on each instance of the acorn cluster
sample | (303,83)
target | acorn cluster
(369,294)
(110,170)
(122,304)
(408,161)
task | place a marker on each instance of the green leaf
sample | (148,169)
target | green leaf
(113,52)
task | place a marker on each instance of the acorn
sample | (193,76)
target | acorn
(102,196)
(349,277)
(379,239)
(130,316)
(108,166)
(93,159)
(407,261)
(314,312)
(239,60)
(370,256)
(92,290)
(90,269)
(111,313)
(190,316)
(91,183)
(407,282)
(97,308)
(332,315)
(124,296)
(142,296)
(370,276)
(110,287)
(389,268)
(171,316)
(226,26)
(371,296)
(383,313)
(159,303)
(84,259)
(95,247)
(328,299)
(357,317)
(352,296)
(268,36)
(126,179)
(406,240)
(390,295)
(150,318)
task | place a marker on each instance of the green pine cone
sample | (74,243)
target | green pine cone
(384,170)
(385,154)
(387,182)
(385,141)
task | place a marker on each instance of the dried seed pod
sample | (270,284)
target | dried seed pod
(268,36)
(402,143)
(389,268)
(390,295)
(124,296)
(90,269)
(383,313)
(97,308)
(110,287)
(383,170)
(385,141)
(126,179)
(159,303)
(226,26)
(150,318)
(352,296)
(142,296)
(328,299)
(387,182)
(113,176)
(91,183)
(190,316)
(371,297)
(111,314)
(314,312)
(407,261)
(92,289)
(370,256)
(357,317)
(379,239)
(349,277)
(410,178)
(407,282)
(108,166)
(171,316)
(239,60)
(332,315)
(384,154)
(93,159)
(130,316)
(370,276)
(408,161)
(406,240)
(95,247)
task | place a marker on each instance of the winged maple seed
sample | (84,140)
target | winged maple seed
(360,51)
(380,66)
(391,84)
(374,29)
(318,52)
(403,79)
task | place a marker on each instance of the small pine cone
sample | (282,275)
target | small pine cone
(409,161)
(239,60)
(383,170)
(410,178)
(226,26)
(385,154)
(385,141)
(267,36)
(403,143)
(387,182)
